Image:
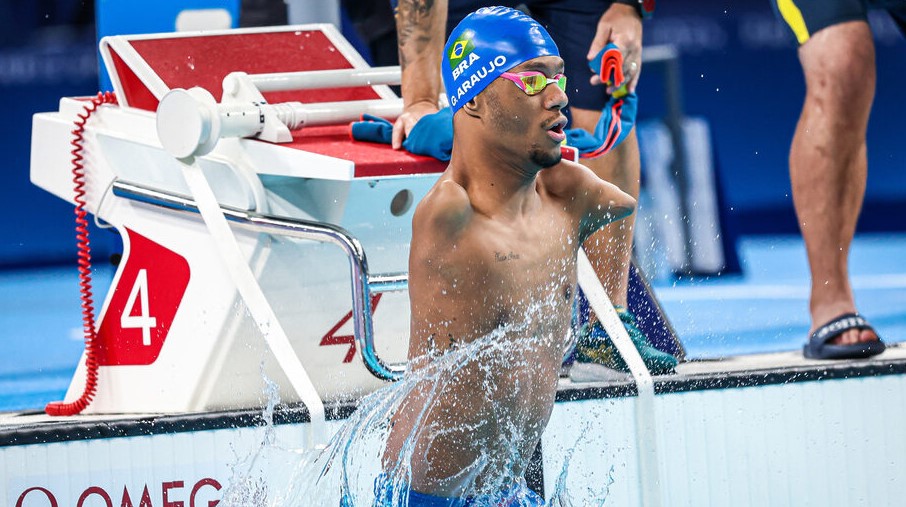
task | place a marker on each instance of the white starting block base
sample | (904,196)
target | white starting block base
(175,334)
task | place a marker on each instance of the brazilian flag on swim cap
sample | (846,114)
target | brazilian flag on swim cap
(461,48)
(487,43)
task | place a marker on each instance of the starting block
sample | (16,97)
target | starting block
(305,200)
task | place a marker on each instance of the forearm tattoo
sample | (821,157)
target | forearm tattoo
(413,21)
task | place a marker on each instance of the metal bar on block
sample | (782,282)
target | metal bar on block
(318,79)
(296,115)
(391,282)
(362,283)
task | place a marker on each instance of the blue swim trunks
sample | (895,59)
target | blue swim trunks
(517,496)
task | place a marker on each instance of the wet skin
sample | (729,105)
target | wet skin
(494,247)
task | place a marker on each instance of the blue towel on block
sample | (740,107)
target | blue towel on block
(372,129)
(433,134)
(617,119)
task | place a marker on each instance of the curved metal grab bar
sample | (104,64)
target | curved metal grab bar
(362,283)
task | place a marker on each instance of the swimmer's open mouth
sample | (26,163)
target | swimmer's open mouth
(555,131)
(558,126)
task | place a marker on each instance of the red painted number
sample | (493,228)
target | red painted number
(331,338)
(144,303)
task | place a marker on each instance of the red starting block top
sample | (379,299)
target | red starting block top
(371,159)
(146,67)
(143,68)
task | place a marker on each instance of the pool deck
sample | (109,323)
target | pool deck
(585,381)
(708,430)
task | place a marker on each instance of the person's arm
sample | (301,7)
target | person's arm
(622,25)
(420,28)
(603,202)
(593,201)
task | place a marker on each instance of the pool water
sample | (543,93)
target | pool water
(763,310)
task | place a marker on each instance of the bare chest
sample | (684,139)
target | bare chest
(525,262)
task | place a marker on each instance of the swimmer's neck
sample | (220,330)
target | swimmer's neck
(494,183)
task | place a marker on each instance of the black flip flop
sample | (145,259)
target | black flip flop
(819,348)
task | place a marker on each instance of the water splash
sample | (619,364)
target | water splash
(562,495)
(354,468)
(248,483)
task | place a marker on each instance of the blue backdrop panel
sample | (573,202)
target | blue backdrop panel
(39,228)
(116,17)
(739,71)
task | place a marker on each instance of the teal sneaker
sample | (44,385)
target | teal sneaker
(595,346)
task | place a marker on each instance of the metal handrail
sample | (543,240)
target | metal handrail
(363,284)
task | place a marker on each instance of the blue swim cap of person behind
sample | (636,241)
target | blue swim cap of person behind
(487,43)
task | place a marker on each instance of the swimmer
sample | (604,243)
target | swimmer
(582,29)
(494,247)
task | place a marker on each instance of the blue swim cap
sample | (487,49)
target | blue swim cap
(487,43)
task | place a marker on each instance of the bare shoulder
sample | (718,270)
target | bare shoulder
(444,210)
(594,201)
(563,179)
(572,181)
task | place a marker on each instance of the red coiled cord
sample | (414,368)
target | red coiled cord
(58,408)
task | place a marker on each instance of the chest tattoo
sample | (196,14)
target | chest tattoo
(503,257)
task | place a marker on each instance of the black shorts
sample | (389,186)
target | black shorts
(572,25)
(805,17)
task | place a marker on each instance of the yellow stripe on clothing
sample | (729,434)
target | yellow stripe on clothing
(793,17)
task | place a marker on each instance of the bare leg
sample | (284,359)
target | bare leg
(610,249)
(828,164)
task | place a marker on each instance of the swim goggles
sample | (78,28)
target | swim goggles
(533,82)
